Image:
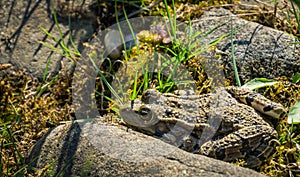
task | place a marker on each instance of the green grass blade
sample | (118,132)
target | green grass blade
(295,12)
(105,81)
(236,74)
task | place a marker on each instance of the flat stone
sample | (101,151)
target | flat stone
(98,149)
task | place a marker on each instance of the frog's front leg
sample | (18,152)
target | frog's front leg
(179,135)
(253,143)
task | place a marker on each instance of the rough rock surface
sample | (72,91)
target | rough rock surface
(96,149)
(21,34)
(259,51)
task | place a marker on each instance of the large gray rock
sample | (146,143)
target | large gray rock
(96,149)
(259,51)
(21,34)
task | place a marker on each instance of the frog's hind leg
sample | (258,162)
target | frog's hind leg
(253,144)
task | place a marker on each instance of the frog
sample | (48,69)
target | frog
(228,124)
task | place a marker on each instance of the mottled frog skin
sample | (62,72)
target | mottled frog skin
(227,125)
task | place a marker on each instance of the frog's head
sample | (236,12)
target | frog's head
(139,115)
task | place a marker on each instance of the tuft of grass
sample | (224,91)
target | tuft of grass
(180,51)
(70,53)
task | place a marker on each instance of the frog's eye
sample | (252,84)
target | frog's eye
(145,112)
(146,96)
(146,117)
(150,96)
(147,93)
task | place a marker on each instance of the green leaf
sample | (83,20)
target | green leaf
(296,78)
(294,114)
(258,83)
